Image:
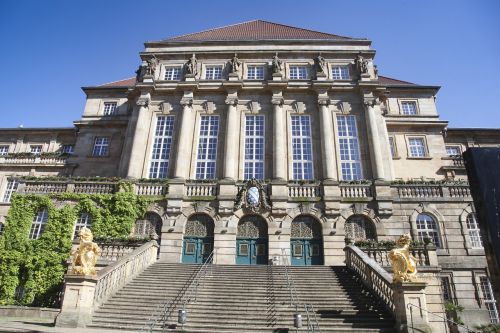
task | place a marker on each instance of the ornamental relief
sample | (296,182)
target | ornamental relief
(305,228)
(252,197)
(252,227)
(199,226)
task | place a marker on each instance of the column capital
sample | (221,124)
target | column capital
(324,101)
(143,101)
(277,100)
(186,101)
(371,101)
(231,100)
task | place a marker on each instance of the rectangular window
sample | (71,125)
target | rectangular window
(207,147)
(489,299)
(474,232)
(213,73)
(162,146)
(172,74)
(68,149)
(409,108)
(446,289)
(255,73)
(84,221)
(453,151)
(4,150)
(11,188)
(1,228)
(340,73)
(38,224)
(254,147)
(349,148)
(417,147)
(101,146)
(302,148)
(36,149)
(392,144)
(298,73)
(109,108)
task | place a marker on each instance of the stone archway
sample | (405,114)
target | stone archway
(306,241)
(198,242)
(252,241)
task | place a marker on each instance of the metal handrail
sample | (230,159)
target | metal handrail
(411,305)
(312,320)
(202,272)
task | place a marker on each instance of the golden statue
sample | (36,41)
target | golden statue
(85,256)
(404,264)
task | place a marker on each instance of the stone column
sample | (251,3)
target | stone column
(327,141)
(140,141)
(374,138)
(231,156)
(279,139)
(185,142)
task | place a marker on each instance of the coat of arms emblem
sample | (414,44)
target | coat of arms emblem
(253,197)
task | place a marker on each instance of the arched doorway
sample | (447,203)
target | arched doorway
(359,228)
(306,241)
(251,241)
(150,225)
(198,240)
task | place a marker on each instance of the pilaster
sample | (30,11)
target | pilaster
(232,138)
(185,142)
(373,137)
(140,139)
(279,137)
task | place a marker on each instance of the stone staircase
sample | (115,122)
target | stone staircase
(246,299)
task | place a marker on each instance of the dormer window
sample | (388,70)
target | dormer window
(340,73)
(409,108)
(298,73)
(255,73)
(109,108)
(68,149)
(36,149)
(172,74)
(4,150)
(213,73)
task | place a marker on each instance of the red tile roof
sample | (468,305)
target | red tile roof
(122,83)
(390,81)
(255,30)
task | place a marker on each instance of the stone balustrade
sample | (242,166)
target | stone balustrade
(459,191)
(93,188)
(33,159)
(201,189)
(116,250)
(309,191)
(151,189)
(425,255)
(356,190)
(432,190)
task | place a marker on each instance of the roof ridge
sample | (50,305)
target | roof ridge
(291,26)
(390,78)
(105,84)
(207,30)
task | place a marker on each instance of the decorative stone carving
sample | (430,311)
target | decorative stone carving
(192,66)
(85,256)
(143,102)
(199,225)
(277,64)
(320,64)
(404,264)
(252,227)
(305,227)
(235,64)
(252,197)
(361,64)
(152,63)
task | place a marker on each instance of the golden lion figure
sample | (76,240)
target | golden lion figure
(85,256)
(404,264)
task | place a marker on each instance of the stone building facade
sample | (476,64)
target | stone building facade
(275,138)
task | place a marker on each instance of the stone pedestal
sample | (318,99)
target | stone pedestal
(411,318)
(78,302)
(277,76)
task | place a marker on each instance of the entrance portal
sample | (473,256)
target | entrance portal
(198,240)
(306,242)
(251,241)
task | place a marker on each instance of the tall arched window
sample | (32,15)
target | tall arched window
(38,224)
(359,227)
(474,232)
(427,227)
(83,221)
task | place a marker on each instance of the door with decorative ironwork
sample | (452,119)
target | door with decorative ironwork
(251,242)
(306,243)
(198,240)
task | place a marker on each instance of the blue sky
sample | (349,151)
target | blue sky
(52,48)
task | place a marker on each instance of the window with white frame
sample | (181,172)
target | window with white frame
(207,147)
(101,146)
(302,156)
(254,147)
(427,227)
(83,221)
(340,73)
(417,147)
(489,299)
(409,108)
(350,159)
(392,145)
(68,149)
(298,72)
(36,149)
(109,108)
(474,231)
(453,151)
(4,150)
(213,73)
(255,72)
(172,73)
(38,224)
(9,189)
(162,146)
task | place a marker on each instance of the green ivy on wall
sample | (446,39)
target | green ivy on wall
(39,265)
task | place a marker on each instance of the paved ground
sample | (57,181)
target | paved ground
(42,325)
